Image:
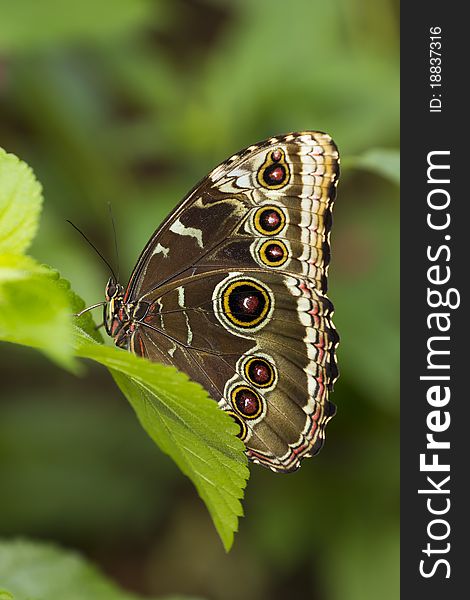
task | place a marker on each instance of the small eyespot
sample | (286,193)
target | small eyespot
(259,372)
(274,175)
(274,172)
(273,253)
(246,402)
(269,220)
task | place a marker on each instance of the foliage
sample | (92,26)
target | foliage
(44,572)
(31,305)
(20,204)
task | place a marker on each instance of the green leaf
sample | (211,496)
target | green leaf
(33,571)
(34,309)
(20,204)
(84,322)
(382,161)
(14,267)
(187,425)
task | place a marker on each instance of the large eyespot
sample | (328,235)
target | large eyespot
(269,220)
(274,172)
(273,253)
(259,372)
(241,424)
(246,303)
(242,304)
(246,402)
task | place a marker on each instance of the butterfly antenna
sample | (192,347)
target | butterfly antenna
(85,310)
(95,249)
(115,239)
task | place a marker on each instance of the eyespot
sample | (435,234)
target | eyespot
(274,175)
(246,402)
(242,304)
(273,253)
(269,220)
(259,372)
(241,424)
(274,172)
(246,303)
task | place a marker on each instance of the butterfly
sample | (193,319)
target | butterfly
(231,289)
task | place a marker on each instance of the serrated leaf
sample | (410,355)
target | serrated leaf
(34,309)
(20,204)
(383,161)
(14,267)
(84,322)
(187,425)
(33,571)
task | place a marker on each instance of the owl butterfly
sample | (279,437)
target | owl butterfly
(231,289)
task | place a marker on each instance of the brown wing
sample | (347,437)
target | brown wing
(236,282)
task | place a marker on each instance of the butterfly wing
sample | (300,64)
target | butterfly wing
(235,281)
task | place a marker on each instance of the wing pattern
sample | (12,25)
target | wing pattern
(232,290)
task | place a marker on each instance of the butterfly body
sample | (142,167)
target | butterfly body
(231,289)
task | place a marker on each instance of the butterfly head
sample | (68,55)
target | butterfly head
(114,295)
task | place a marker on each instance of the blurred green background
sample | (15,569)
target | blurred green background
(131,102)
